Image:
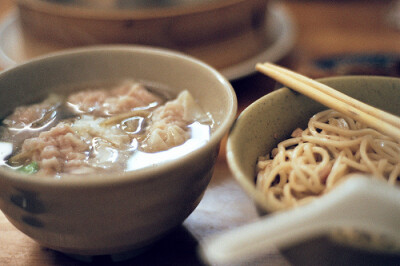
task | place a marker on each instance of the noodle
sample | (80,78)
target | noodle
(315,160)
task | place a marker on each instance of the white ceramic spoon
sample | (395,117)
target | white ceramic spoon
(360,202)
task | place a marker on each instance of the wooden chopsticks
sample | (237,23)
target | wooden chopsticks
(380,120)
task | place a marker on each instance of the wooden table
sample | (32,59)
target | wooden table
(324,28)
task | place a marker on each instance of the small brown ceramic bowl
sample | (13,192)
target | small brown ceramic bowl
(202,28)
(112,214)
(272,118)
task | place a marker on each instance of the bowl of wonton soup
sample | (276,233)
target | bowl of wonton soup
(106,149)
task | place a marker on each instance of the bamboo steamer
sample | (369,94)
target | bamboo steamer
(220,32)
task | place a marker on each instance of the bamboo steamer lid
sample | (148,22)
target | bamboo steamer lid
(220,32)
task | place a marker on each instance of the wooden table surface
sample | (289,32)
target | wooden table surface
(323,28)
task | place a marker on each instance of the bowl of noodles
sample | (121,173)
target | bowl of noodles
(104,150)
(287,151)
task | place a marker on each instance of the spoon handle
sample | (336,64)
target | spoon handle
(252,240)
(359,202)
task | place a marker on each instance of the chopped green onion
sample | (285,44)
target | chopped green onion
(31,168)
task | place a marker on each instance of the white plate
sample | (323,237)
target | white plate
(14,49)
(282,32)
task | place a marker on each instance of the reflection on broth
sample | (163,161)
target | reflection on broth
(200,135)
(123,128)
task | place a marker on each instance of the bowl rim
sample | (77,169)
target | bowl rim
(55,9)
(248,186)
(147,173)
